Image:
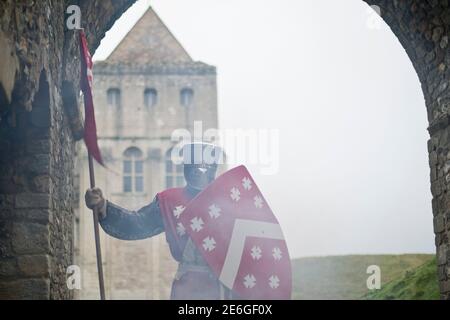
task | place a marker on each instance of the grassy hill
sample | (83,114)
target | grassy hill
(344,277)
(419,284)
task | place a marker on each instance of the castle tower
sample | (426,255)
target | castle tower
(148,87)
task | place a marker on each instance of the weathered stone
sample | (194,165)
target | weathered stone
(40,164)
(442,272)
(41,184)
(444,42)
(437,33)
(433,175)
(439,224)
(433,158)
(432,144)
(34,265)
(30,238)
(8,267)
(26,289)
(430,57)
(436,188)
(6,201)
(32,200)
(43,216)
(37,145)
(8,69)
(444,286)
(420,52)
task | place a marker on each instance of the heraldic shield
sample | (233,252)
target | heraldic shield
(239,237)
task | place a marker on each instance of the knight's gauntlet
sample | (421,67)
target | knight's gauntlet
(94,199)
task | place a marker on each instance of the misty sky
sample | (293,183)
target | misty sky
(353,171)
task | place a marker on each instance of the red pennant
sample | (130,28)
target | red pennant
(90,128)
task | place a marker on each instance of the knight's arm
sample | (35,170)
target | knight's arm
(132,225)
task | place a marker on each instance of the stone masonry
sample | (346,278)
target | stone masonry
(423,28)
(39,124)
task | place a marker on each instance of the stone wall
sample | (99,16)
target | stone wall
(423,28)
(39,119)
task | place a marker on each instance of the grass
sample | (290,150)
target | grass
(344,277)
(418,284)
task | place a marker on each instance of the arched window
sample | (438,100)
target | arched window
(133,170)
(174,172)
(150,97)
(186,97)
(113,97)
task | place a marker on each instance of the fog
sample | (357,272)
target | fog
(341,92)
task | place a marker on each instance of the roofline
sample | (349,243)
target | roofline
(162,22)
(190,68)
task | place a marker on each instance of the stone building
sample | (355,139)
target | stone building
(148,87)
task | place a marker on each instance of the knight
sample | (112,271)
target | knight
(194,279)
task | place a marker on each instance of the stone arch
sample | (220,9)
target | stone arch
(423,29)
(39,107)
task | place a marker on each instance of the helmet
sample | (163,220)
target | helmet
(200,162)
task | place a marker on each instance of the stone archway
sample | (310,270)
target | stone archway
(423,29)
(39,210)
(39,124)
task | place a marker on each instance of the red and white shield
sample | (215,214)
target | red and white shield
(238,235)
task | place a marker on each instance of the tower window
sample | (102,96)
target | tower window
(174,172)
(150,97)
(186,97)
(113,97)
(133,170)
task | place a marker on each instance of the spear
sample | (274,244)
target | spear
(98,249)
(90,138)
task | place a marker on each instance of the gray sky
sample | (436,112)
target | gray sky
(353,175)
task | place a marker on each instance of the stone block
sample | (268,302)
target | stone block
(30,238)
(439,223)
(40,164)
(25,289)
(442,254)
(8,267)
(6,201)
(34,265)
(32,200)
(39,147)
(444,287)
(41,184)
(37,215)
(442,272)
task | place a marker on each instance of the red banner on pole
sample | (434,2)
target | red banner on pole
(90,128)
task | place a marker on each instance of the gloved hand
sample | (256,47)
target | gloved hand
(94,199)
